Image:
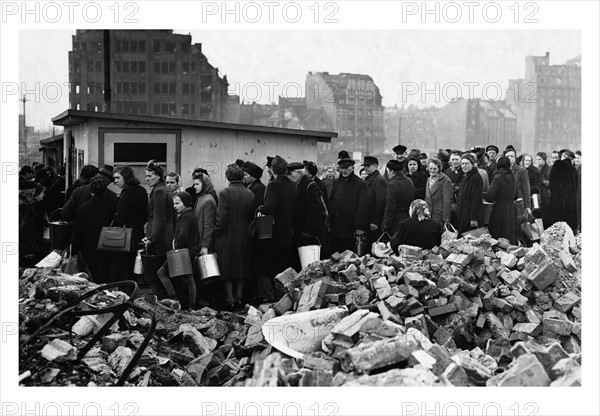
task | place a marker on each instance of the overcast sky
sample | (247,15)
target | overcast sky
(264,64)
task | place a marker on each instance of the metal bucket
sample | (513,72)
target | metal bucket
(208,267)
(264,226)
(487,212)
(60,234)
(309,253)
(179,262)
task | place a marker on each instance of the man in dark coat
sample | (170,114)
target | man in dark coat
(349,202)
(377,186)
(492,151)
(94,214)
(400,193)
(308,213)
(279,200)
(83,194)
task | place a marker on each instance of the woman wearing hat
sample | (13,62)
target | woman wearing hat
(502,192)
(234,213)
(470,202)
(439,193)
(159,230)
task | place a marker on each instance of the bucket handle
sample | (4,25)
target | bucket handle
(381,236)
(306,237)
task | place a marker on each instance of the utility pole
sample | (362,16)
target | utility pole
(107,52)
(24,100)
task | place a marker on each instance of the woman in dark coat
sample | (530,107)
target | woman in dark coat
(535,179)
(96,213)
(502,192)
(419,230)
(470,197)
(417,175)
(563,186)
(279,201)
(234,213)
(132,207)
(159,231)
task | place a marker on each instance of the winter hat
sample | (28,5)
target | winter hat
(186,198)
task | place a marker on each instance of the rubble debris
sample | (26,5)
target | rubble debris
(472,312)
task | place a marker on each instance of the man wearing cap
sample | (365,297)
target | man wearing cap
(492,151)
(279,201)
(83,194)
(400,193)
(349,207)
(308,213)
(423,159)
(377,186)
(400,152)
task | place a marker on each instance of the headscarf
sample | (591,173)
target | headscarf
(420,209)
(207,185)
(503,163)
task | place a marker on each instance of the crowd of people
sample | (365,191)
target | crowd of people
(410,200)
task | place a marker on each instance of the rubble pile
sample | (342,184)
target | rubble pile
(471,312)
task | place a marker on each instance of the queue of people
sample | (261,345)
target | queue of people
(412,200)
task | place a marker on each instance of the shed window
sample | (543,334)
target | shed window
(140,152)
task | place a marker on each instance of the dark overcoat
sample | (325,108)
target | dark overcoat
(349,206)
(522,180)
(161,217)
(502,192)
(94,214)
(132,207)
(425,234)
(563,200)
(377,186)
(234,213)
(80,196)
(470,200)
(258,189)
(419,180)
(400,193)
(438,196)
(186,231)
(279,200)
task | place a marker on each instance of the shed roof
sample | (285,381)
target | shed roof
(74,117)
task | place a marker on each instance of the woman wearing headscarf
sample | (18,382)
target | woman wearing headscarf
(132,207)
(470,202)
(234,213)
(186,236)
(173,182)
(159,230)
(502,192)
(94,214)
(417,175)
(419,230)
(438,193)
(535,179)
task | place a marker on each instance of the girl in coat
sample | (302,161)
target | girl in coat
(417,175)
(186,236)
(470,202)
(438,193)
(502,192)
(132,207)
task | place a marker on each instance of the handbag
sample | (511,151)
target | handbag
(450,233)
(382,249)
(115,239)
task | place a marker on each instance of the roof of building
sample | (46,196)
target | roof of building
(74,117)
